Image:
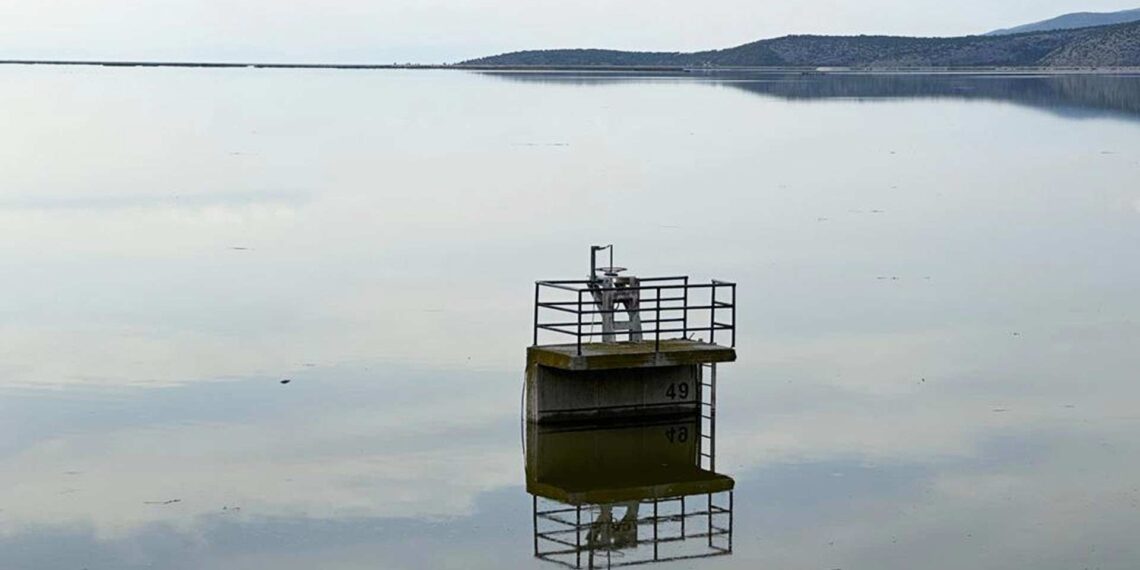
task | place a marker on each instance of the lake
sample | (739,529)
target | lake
(938,335)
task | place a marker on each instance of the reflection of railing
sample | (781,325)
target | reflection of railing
(648,493)
(591,535)
(679,309)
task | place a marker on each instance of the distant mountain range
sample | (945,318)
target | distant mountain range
(1072,21)
(1103,46)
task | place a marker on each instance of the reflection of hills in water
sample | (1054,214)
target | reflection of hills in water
(631,494)
(1069,95)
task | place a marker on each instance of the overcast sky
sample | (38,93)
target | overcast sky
(431,31)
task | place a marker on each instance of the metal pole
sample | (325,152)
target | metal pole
(734,315)
(578,536)
(655,529)
(712,315)
(534,521)
(709,515)
(730,510)
(685,311)
(683,509)
(579,322)
(657,341)
(535,341)
(712,417)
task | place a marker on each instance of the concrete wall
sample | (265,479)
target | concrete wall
(556,395)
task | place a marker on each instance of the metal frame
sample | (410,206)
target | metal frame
(554,543)
(575,297)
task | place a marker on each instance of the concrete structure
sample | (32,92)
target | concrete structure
(660,367)
(618,380)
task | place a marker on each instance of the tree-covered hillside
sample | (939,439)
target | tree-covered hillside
(1117,45)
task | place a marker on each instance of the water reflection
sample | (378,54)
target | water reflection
(633,494)
(883,410)
(1071,95)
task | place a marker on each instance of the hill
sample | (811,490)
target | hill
(1072,21)
(1117,45)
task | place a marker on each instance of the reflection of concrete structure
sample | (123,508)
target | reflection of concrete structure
(633,494)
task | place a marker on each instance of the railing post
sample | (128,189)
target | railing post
(712,417)
(578,533)
(685,311)
(734,315)
(712,315)
(657,327)
(683,516)
(534,342)
(656,541)
(730,510)
(579,322)
(709,504)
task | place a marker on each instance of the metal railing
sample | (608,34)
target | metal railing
(679,309)
(672,532)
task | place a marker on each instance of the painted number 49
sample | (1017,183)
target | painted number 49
(677,391)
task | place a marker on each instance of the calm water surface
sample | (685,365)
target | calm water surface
(938,309)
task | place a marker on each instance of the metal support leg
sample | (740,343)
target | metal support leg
(578,537)
(712,417)
(710,519)
(579,323)
(730,511)
(682,517)
(655,541)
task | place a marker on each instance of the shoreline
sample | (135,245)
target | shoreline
(806,70)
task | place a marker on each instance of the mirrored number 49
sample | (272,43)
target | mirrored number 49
(677,434)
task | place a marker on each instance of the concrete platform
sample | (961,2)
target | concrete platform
(606,356)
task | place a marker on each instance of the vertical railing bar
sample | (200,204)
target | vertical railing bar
(734,315)
(685,311)
(534,521)
(579,322)
(578,526)
(730,510)
(657,325)
(710,518)
(712,417)
(655,528)
(682,517)
(536,299)
(712,315)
